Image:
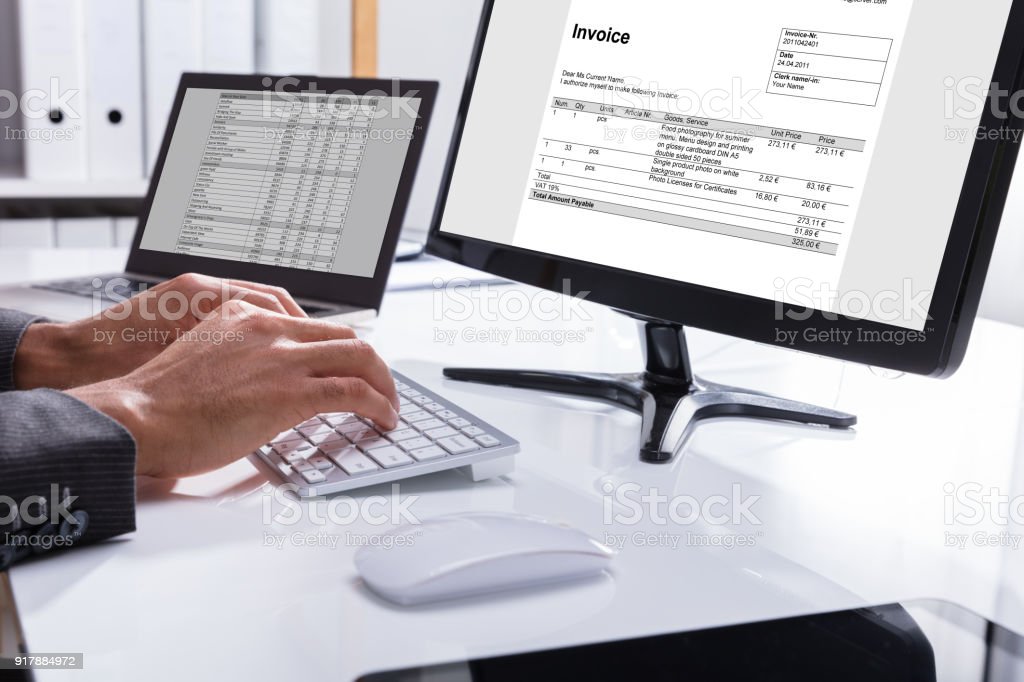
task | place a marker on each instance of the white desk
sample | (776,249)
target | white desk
(843,522)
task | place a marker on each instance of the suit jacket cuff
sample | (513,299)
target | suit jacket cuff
(48,438)
(12,326)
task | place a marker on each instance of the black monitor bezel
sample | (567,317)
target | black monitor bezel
(954,303)
(350,290)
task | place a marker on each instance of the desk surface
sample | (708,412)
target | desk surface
(839,522)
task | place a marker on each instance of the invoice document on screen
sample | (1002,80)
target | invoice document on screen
(810,152)
(739,147)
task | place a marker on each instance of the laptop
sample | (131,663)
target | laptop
(297,182)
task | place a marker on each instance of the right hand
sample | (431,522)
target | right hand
(235,381)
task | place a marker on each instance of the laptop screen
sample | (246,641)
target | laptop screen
(293,180)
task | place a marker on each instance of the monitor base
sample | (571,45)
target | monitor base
(669,397)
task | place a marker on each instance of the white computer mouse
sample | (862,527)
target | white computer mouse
(471,554)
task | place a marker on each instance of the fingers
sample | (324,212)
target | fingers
(348,358)
(256,298)
(283,297)
(298,329)
(352,394)
(209,293)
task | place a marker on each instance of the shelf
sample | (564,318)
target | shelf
(20,188)
(23,198)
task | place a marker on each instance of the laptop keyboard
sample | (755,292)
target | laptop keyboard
(127,287)
(336,452)
(104,287)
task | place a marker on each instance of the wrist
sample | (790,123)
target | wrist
(42,359)
(129,407)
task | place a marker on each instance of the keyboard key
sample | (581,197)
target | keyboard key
(415,444)
(341,419)
(287,437)
(292,458)
(390,457)
(353,462)
(428,424)
(283,462)
(487,440)
(460,423)
(443,432)
(433,407)
(473,431)
(458,444)
(299,446)
(410,393)
(409,408)
(401,386)
(313,476)
(313,429)
(428,453)
(373,444)
(327,437)
(447,414)
(422,399)
(303,466)
(315,421)
(321,462)
(402,434)
(413,417)
(366,433)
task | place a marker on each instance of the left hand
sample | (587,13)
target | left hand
(128,335)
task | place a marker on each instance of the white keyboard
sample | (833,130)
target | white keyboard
(332,453)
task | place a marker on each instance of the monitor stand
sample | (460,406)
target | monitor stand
(667,395)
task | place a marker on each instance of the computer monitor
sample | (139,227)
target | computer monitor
(826,177)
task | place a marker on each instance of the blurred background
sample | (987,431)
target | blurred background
(87,199)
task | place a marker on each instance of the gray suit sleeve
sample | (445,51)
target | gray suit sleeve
(51,443)
(12,325)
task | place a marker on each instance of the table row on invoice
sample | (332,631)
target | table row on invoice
(275,191)
(771,185)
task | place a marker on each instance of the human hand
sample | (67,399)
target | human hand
(235,381)
(131,333)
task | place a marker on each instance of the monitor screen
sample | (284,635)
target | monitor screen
(299,180)
(804,152)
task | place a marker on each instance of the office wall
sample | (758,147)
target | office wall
(429,39)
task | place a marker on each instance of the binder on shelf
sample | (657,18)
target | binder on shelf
(229,36)
(55,116)
(113,65)
(335,38)
(29,233)
(172,44)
